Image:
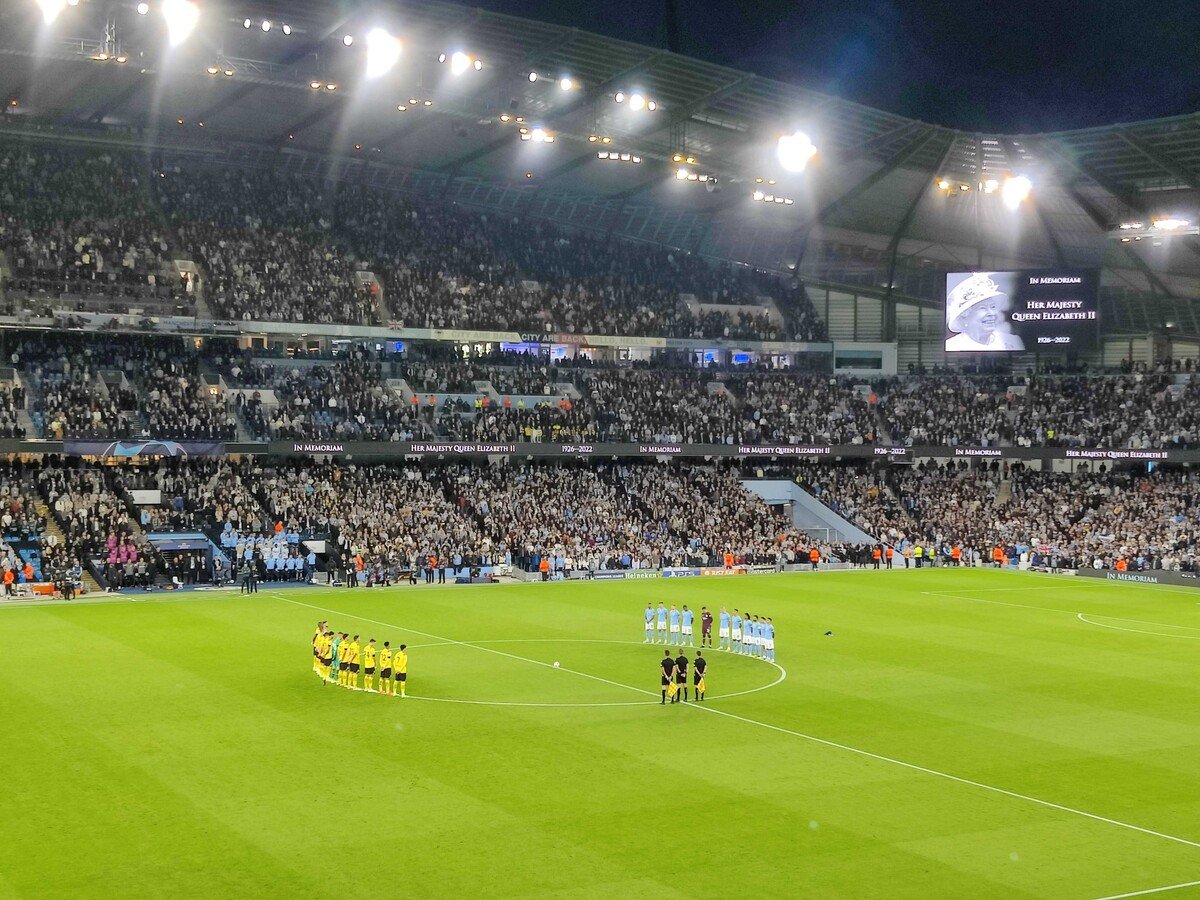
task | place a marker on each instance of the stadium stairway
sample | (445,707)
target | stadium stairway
(52,530)
(1004,493)
(808,513)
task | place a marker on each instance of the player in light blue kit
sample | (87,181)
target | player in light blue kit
(662,624)
(735,633)
(723,630)
(754,644)
(687,616)
(769,640)
(649,624)
(675,639)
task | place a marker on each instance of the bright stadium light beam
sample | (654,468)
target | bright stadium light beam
(50,9)
(460,62)
(1171,223)
(181,17)
(383,52)
(1015,191)
(794,151)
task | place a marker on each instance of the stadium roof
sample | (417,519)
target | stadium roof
(873,179)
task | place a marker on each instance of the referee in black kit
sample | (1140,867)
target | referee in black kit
(668,670)
(699,667)
(681,666)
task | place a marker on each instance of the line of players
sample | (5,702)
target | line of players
(674,676)
(338,658)
(748,635)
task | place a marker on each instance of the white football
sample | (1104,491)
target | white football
(556,664)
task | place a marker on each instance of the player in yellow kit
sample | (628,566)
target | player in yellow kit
(344,660)
(317,638)
(400,669)
(327,654)
(385,668)
(353,659)
(369,666)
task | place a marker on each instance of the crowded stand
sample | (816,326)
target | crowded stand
(392,521)
(1088,518)
(282,248)
(709,515)
(78,226)
(1139,411)
(12,399)
(98,525)
(276,276)
(348,400)
(175,403)
(567,514)
(132,386)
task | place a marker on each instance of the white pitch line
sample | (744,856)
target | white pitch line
(1157,890)
(951,596)
(1186,637)
(1078,615)
(781,730)
(479,646)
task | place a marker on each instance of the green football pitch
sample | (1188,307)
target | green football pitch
(960,734)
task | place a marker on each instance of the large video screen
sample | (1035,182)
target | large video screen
(1008,312)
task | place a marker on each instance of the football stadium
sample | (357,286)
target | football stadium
(445,450)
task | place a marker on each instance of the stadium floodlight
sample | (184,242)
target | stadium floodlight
(347,40)
(637,102)
(681,174)
(537,135)
(181,17)
(1164,227)
(566,83)
(794,151)
(286,29)
(383,52)
(533,77)
(314,85)
(1015,191)
(1170,223)
(990,186)
(619,96)
(50,9)
(143,9)
(266,25)
(213,70)
(463,62)
(247,24)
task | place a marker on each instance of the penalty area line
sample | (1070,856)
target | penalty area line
(879,757)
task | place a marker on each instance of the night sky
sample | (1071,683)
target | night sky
(1005,65)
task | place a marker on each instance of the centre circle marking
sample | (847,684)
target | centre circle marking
(548,705)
